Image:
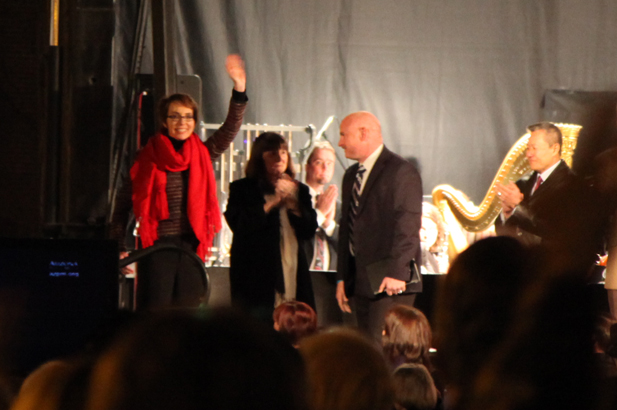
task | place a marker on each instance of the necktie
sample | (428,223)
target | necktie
(320,252)
(537,185)
(355,201)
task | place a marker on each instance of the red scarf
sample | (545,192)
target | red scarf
(150,180)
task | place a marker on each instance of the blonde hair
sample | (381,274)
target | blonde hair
(320,145)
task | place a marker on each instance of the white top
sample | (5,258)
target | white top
(321,218)
(289,257)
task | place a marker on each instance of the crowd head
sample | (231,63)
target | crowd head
(406,336)
(414,388)
(346,372)
(223,360)
(295,320)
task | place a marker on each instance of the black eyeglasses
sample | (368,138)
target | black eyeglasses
(177,117)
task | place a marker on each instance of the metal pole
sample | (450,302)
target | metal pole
(163,35)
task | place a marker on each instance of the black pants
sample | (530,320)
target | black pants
(170,278)
(369,313)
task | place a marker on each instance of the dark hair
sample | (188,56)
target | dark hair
(223,360)
(602,332)
(163,108)
(267,141)
(58,384)
(553,133)
(514,329)
(407,335)
(296,320)
(475,304)
(346,372)
(414,388)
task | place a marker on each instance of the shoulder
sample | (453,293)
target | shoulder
(398,163)
(526,180)
(351,170)
(243,183)
(303,187)
(564,174)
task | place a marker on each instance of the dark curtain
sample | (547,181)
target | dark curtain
(454,83)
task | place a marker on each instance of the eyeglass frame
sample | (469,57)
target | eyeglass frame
(178,118)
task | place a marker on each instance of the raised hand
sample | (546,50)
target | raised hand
(235,68)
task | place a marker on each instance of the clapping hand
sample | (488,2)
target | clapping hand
(286,188)
(326,203)
(510,196)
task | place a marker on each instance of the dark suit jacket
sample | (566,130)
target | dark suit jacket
(332,242)
(256,269)
(386,228)
(558,215)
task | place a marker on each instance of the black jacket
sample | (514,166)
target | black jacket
(256,269)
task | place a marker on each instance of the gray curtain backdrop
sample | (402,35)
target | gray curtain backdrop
(454,82)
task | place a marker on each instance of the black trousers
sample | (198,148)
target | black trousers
(170,278)
(369,313)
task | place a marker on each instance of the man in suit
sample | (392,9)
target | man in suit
(379,229)
(552,206)
(321,252)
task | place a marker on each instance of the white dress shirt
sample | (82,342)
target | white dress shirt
(321,218)
(369,163)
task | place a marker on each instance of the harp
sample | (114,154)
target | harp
(513,167)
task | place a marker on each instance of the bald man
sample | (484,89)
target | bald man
(379,229)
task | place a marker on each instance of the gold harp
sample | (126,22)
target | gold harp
(513,167)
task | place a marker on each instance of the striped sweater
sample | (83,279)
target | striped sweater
(178,223)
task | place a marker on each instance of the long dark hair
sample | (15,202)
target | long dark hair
(256,167)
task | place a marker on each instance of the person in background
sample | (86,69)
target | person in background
(346,372)
(406,336)
(552,206)
(414,388)
(321,251)
(605,183)
(433,237)
(271,216)
(602,344)
(220,360)
(295,320)
(514,330)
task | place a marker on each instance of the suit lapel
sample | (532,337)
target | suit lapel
(552,179)
(380,164)
(348,179)
(530,183)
